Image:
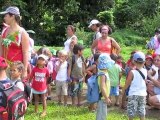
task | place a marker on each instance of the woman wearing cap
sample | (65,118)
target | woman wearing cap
(105,44)
(94,26)
(14,44)
(71,40)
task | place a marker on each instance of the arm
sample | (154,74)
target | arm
(94,45)
(58,65)
(73,42)
(155,82)
(103,88)
(90,69)
(25,52)
(128,81)
(115,45)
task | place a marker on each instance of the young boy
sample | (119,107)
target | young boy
(115,74)
(62,75)
(16,69)
(76,71)
(137,88)
(3,80)
(104,63)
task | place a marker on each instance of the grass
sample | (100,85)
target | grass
(58,112)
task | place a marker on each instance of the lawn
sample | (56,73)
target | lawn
(59,112)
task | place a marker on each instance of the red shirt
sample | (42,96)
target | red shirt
(39,78)
(14,51)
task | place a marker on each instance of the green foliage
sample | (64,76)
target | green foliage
(107,17)
(128,37)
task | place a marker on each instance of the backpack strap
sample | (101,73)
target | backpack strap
(141,74)
(17,82)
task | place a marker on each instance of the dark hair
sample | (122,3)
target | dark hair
(109,29)
(114,57)
(72,28)
(76,48)
(57,53)
(17,18)
(96,56)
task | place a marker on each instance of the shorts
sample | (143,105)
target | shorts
(37,92)
(114,91)
(158,97)
(61,87)
(156,90)
(75,88)
(136,104)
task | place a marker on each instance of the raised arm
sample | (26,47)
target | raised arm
(25,52)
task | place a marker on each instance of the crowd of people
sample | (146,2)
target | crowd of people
(68,70)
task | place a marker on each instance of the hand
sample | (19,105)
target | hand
(108,101)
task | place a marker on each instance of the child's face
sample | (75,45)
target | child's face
(15,73)
(41,62)
(80,52)
(156,61)
(148,62)
(62,57)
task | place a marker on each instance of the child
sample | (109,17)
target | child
(3,80)
(62,75)
(115,74)
(77,72)
(39,78)
(129,66)
(91,71)
(137,88)
(104,63)
(16,69)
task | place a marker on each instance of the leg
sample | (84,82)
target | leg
(101,110)
(79,93)
(44,104)
(117,100)
(58,91)
(65,91)
(36,99)
(141,107)
(49,92)
(155,101)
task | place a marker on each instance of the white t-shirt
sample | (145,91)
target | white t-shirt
(62,73)
(155,77)
(19,85)
(50,67)
(138,85)
(67,43)
(97,35)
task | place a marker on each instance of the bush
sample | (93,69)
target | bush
(128,37)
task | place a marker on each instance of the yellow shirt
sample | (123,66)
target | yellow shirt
(107,82)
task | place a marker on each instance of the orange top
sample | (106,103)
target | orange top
(104,47)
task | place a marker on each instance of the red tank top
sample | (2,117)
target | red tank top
(104,48)
(14,51)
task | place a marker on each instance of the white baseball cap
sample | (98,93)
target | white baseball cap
(93,22)
(139,57)
(12,10)
(43,56)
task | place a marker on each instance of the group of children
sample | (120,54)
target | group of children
(69,72)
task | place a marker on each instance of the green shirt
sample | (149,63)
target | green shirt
(114,73)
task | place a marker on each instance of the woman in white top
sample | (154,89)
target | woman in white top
(71,39)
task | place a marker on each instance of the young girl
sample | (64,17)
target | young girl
(91,71)
(16,70)
(62,75)
(137,88)
(39,78)
(104,63)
